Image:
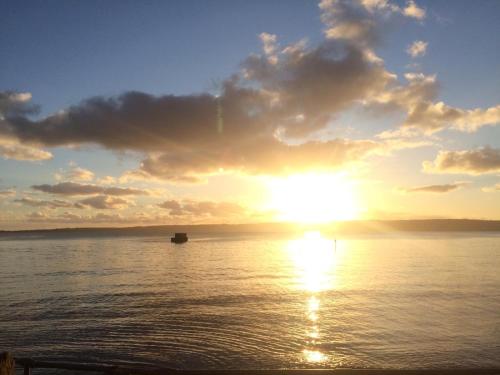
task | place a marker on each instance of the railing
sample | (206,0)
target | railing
(28,364)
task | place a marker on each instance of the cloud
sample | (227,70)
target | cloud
(270,46)
(11,149)
(417,48)
(203,208)
(73,188)
(104,202)
(265,157)
(75,173)
(263,117)
(243,129)
(15,103)
(491,189)
(424,114)
(359,21)
(93,219)
(106,180)
(446,188)
(52,204)
(413,10)
(265,113)
(474,162)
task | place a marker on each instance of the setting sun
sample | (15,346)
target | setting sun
(314,198)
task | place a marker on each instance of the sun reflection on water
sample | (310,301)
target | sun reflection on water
(314,356)
(314,259)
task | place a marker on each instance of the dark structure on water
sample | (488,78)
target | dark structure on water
(179,238)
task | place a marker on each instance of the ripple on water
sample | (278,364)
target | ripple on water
(249,303)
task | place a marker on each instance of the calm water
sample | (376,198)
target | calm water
(254,302)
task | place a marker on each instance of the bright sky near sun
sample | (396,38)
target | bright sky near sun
(138,113)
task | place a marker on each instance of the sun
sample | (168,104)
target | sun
(314,198)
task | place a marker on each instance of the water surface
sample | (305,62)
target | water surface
(254,301)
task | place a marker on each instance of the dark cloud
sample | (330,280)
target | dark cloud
(73,188)
(260,121)
(307,86)
(15,104)
(475,162)
(247,127)
(434,188)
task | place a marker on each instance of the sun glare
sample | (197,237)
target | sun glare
(314,198)
(314,259)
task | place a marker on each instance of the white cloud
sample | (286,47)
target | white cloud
(413,10)
(73,188)
(417,48)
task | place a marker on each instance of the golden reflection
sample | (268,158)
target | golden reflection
(313,304)
(314,356)
(314,259)
(314,332)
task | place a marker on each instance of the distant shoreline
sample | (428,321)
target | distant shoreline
(344,227)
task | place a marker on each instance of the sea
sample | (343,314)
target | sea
(254,301)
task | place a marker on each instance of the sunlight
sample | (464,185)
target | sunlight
(313,198)
(314,356)
(314,259)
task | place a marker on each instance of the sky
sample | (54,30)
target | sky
(143,113)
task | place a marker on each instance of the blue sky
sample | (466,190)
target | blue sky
(63,52)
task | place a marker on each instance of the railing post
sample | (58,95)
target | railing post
(7,364)
(27,369)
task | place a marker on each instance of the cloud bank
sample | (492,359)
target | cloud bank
(257,124)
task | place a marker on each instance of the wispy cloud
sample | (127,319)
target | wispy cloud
(73,188)
(52,204)
(440,189)
(417,48)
